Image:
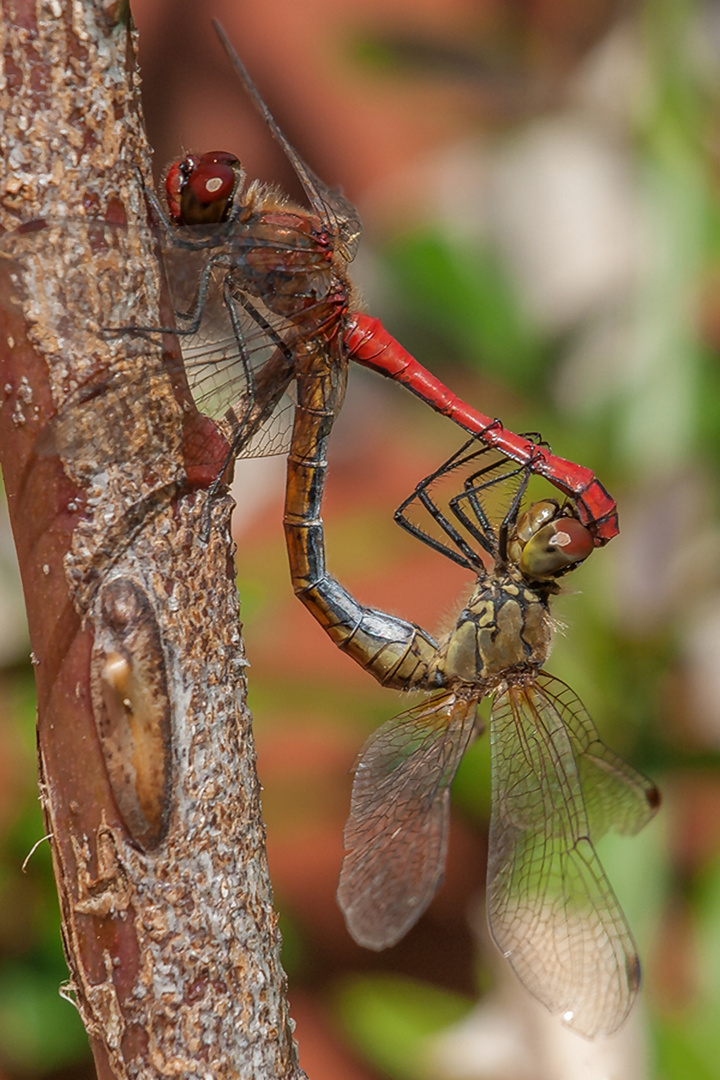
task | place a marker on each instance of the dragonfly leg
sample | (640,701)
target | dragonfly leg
(465,555)
(230,296)
(155,205)
(479,482)
(192,317)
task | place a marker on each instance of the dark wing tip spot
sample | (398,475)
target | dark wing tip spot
(633,973)
(653,797)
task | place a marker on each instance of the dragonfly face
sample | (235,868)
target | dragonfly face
(549,542)
(201,189)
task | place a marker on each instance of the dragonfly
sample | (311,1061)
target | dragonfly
(261,300)
(281,275)
(556,788)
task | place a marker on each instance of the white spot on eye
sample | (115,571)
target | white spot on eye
(560,539)
(568,1016)
(213,185)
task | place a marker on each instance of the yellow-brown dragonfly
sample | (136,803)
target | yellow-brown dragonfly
(556,788)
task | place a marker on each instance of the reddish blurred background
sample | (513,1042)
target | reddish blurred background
(538,183)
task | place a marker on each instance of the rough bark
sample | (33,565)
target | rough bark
(145,750)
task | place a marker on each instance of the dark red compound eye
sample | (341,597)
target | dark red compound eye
(200,189)
(212,182)
(175,181)
(208,192)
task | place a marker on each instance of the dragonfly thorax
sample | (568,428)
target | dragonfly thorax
(504,625)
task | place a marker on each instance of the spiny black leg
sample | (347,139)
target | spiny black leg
(481,528)
(467,557)
(510,519)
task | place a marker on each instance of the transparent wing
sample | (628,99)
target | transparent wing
(240,345)
(329,205)
(551,909)
(273,435)
(237,340)
(616,796)
(93,427)
(396,834)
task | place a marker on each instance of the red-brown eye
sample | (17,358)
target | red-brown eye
(200,190)
(212,182)
(175,181)
(556,547)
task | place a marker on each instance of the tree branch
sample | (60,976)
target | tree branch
(146,757)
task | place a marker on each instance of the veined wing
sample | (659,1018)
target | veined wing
(238,338)
(396,834)
(329,205)
(551,909)
(251,399)
(616,796)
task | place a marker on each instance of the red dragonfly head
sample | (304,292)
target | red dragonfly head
(200,189)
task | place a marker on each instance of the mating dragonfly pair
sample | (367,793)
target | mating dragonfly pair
(270,304)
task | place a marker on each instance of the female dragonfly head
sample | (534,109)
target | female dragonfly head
(486,518)
(201,188)
(547,541)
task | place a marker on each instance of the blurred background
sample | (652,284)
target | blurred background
(538,181)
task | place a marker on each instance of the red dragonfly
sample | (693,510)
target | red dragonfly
(261,299)
(556,788)
(282,275)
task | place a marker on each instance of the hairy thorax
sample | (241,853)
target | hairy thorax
(505,625)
